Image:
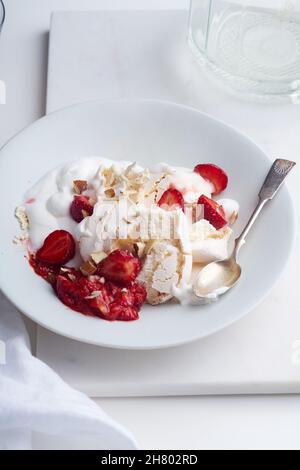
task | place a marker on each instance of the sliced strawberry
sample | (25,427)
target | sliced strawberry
(58,248)
(171,199)
(214,174)
(81,208)
(120,267)
(213,212)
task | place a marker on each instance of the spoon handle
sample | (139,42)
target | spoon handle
(276,176)
(274,180)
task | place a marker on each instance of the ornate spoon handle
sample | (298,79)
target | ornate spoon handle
(274,180)
(276,176)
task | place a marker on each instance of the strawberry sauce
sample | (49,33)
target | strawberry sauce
(92,295)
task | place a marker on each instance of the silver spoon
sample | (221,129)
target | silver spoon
(220,276)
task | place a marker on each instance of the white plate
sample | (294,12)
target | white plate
(146,132)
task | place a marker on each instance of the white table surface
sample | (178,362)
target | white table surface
(194,422)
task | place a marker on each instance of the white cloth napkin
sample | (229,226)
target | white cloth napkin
(35,402)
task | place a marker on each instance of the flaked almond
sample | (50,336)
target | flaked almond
(79,186)
(21,239)
(21,215)
(127,245)
(51,278)
(216,235)
(64,270)
(139,249)
(94,294)
(88,268)
(85,214)
(233,218)
(98,257)
(110,192)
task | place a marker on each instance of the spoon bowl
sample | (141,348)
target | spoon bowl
(217,278)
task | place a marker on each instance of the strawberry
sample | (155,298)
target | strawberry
(81,208)
(120,266)
(171,199)
(58,248)
(214,174)
(213,212)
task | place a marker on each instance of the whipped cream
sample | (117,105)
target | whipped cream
(190,184)
(171,246)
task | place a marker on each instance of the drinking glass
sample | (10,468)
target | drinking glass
(2,14)
(253,46)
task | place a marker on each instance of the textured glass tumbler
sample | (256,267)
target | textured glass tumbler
(252,45)
(2,14)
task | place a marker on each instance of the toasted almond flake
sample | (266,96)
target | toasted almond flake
(94,294)
(217,235)
(92,200)
(79,186)
(21,215)
(21,239)
(98,257)
(71,277)
(110,192)
(233,218)
(125,244)
(88,268)
(51,278)
(64,270)
(94,277)
(102,280)
(85,214)
(139,248)
(130,167)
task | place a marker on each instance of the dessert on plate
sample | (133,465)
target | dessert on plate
(109,236)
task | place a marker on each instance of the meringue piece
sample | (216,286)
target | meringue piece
(165,267)
(209,244)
